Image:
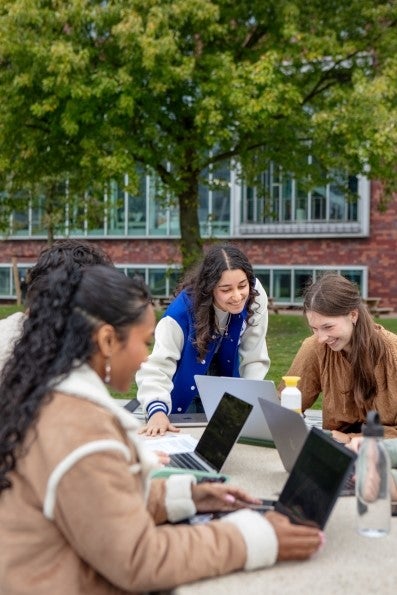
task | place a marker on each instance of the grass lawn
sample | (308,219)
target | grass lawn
(285,334)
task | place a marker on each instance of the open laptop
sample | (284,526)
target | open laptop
(211,389)
(313,486)
(188,420)
(218,438)
(316,480)
(289,432)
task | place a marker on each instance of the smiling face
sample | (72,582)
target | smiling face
(335,331)
(231,291)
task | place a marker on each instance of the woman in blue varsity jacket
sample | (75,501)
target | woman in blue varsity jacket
(216,325)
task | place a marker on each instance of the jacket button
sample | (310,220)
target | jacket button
(179,409)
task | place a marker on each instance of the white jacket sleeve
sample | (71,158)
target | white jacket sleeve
(259,536)
(154,378)
(254,357)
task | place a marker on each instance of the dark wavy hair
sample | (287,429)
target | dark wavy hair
(70,253)
(201,281)
(334,295)
(57,336)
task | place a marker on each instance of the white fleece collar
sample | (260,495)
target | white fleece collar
(83,382)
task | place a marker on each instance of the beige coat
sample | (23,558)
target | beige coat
(76,520)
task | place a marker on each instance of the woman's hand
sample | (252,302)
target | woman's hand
(341,437)
(158,424)
(164,457)
(213,497)
(355,443)
(295,542)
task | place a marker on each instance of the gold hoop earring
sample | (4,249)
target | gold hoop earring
(108,370)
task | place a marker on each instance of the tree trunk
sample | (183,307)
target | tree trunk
(191,242)
(16,280)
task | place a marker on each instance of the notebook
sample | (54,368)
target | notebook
(289,433)
(218,438)
(315,481)
(211,389)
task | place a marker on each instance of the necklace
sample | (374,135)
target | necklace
(223,328)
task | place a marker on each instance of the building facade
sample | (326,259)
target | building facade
(289,234)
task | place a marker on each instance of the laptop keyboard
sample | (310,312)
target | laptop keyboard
(184,460)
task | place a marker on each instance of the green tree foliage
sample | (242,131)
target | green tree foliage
(89,89)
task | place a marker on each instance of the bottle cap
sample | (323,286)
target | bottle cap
(373,427)
(291,380)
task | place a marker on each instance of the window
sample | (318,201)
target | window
(286,284)
(280,204)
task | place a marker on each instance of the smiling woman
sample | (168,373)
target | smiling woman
(350,358)
(216,325)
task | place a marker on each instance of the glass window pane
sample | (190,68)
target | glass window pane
(286,197)
(282,285)
(132,271)
(158,213)
(20,222)
(38,217)
(137,208)
(354,277)
(264,278)
(220,186)
(94,217)
(5,281)
(157,282)
(319,203)
(301,279)
(116,209)
(174,277)
(301,203)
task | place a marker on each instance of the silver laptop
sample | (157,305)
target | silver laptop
(188,420)
(180,420)
(288,429)
(211,389)
(218,438)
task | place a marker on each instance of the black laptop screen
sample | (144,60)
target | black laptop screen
(223,430)
(315,480)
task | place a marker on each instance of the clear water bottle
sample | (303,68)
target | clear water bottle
(372,481)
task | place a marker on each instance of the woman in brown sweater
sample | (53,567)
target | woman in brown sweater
(350,359)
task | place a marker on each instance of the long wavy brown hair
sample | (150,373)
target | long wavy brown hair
(201,281)
(334,295)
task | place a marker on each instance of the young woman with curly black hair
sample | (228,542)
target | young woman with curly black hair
(70,253)
(78,510)
(216,325)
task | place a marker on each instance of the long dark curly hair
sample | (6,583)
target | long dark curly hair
(57,336)
(201,281)
(68,252)
(334,295)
